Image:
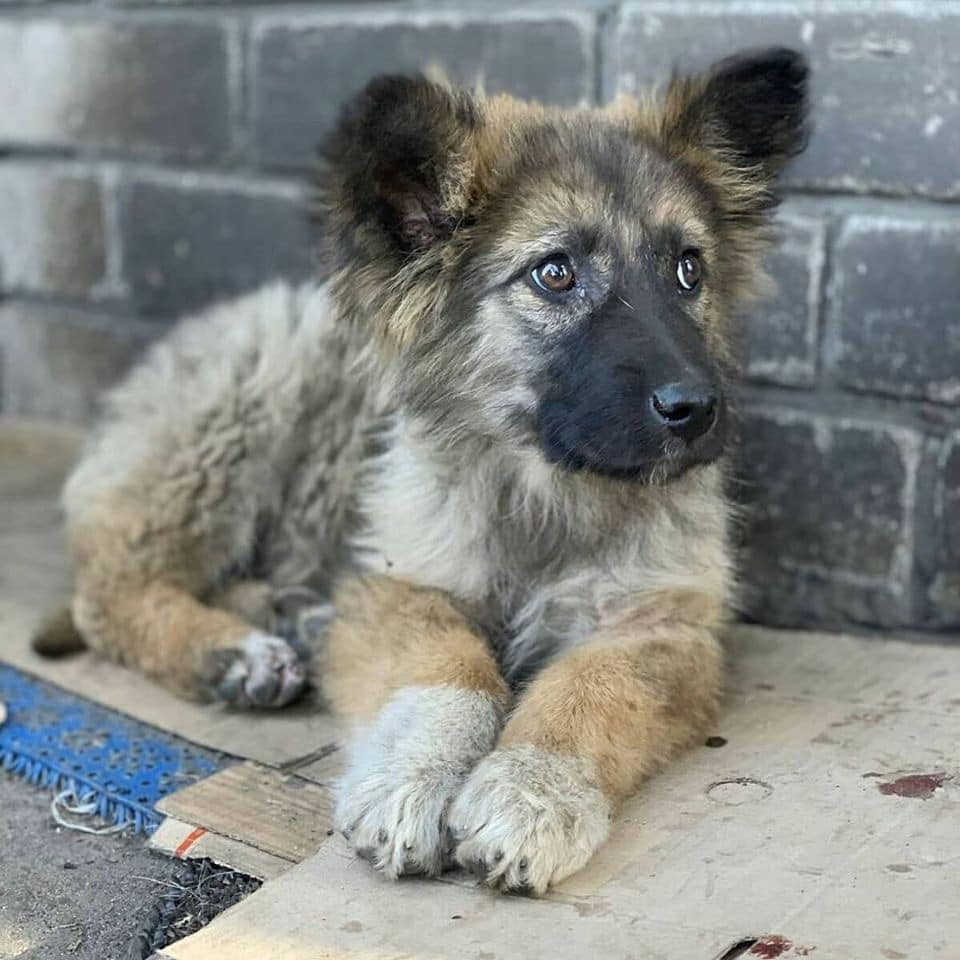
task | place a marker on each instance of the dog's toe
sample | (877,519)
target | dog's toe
(525,819)
(263,671)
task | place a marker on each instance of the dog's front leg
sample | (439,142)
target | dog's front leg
(588,729)
(425,693)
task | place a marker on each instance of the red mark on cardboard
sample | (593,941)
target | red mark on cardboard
(915,786)
(770,947)
(188,841)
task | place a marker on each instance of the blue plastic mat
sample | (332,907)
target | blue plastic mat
(112,766)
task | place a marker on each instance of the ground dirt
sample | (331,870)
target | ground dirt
(72,896)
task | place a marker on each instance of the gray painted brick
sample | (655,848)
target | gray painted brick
(53,238)
(847,520)
(158,89)
(779,335)
(305,70)
(56,361)
(944,592)
(886,78)
(188,241)
(895,299)
(829,518)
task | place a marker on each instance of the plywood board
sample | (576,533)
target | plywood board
(826,826)
(323,767)
(826,823)
(279,813)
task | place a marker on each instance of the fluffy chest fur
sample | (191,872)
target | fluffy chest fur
(538,557)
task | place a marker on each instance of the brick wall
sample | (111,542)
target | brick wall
(153,157)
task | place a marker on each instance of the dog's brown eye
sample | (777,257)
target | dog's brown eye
(688,271)
(555,275)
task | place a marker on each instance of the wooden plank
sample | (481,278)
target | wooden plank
(279,813)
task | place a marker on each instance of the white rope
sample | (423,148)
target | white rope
(67,802)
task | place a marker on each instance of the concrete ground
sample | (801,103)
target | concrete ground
(72,896)
(65,894)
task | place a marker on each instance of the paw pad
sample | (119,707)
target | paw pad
(263,671)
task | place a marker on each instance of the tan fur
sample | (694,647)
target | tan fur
(389,635)
(158,629)
(251,600)
(632,696)
(204,437)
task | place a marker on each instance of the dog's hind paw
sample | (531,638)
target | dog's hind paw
(261,671)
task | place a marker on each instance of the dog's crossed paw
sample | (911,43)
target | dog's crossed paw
(526,818)
(398,824)
(404,771)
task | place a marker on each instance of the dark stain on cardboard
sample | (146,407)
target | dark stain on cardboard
(865,716)
(914,786)
(770,946)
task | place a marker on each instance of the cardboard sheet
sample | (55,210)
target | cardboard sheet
(187,841)
(825,826)
(279,813)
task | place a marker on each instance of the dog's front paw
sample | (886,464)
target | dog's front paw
(261,671)
(404,771)
(527,818)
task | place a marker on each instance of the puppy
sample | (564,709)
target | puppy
(487,456)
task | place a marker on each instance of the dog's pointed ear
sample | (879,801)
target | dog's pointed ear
(747,112)
(397,167)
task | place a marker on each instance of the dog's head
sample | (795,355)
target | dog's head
(562,279)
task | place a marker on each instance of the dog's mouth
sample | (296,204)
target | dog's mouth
(632,444)
(672,459)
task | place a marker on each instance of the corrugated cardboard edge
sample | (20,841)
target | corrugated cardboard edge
(187,841)
(280,813)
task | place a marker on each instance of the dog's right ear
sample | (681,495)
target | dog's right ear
(398,166)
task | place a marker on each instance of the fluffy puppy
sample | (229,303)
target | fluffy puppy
(488,455)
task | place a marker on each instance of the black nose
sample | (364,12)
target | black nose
(689,411)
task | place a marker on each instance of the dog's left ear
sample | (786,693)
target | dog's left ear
(397,168)
(746,113)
